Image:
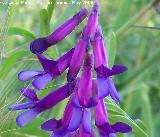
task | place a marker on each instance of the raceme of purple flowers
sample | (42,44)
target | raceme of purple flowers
(85,93)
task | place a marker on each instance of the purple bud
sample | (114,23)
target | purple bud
(77,59)
(90,28)
(41,44)
(85,83)
(100,113)
(100,56)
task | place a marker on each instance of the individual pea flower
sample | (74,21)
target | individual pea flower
(105,83)
(51,69)
(41,44)
(71,121)
(101,121)
(83,43)
(35,106)
(88,98)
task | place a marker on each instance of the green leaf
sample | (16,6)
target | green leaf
(10,61)
(137,130)
(143,67)
(112,48)
(21,32)
(33,129)
(134,19)
(141,124)
(50,8)
(146,109)
(123,13)
(44,22)
(123,117)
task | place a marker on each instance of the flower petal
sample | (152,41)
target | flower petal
(60,132)
(117,69)
(22,106)
(112,90)
(87,123)
(103,71)
(29,93)
(85,83)
(52,135)
(107,72)
(27,116)
(48,65)
(106,129)
(50,125)
(64,61)
(112,135)
(41,81)
(53,98)
(109,135)
(77,59)
(39,45)
(28,74)
(92,23)
(82,133)
(92,102)
(100,56)
(121,127)
(103,89)
(75,119)
(100,113)
(75,101)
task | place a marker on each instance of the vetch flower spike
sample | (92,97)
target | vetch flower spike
(41,44)
(101,121)
(37,106)
(83,44)
(51,69)
(104,81)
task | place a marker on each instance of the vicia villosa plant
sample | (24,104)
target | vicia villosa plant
(86,94)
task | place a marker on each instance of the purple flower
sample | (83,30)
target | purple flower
(83,44)
(51,69)
(41,44)
(105,83)
(101,121)
(71,121)
(35,106)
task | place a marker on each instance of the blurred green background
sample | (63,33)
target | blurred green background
(131,31)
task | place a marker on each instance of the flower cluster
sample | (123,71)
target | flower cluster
(85,92)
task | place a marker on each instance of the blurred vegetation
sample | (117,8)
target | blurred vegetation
(131,31)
